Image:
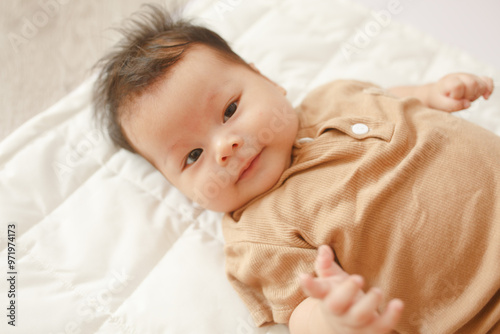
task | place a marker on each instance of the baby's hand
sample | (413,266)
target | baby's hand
(347,309)
(456,91)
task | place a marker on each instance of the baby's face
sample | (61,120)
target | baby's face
(218,131)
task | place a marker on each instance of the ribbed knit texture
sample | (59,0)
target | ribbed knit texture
(413,206)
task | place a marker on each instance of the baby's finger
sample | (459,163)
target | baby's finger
(323,261)
(364,311)
(474,87)
(452,86)
(325,266)
(449,104)
(489,87)
(389,319)
(314,288)
(340,299)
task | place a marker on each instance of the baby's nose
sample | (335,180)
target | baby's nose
(227,147)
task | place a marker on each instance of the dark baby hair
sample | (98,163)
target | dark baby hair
(152,43)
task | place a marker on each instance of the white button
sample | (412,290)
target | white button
(360,129)
(305,140)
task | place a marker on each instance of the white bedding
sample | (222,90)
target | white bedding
(105,245)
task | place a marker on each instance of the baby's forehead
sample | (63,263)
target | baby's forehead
(195,81)
(194,65)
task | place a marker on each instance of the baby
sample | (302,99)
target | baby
(396,196)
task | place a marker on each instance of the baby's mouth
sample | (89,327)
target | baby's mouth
(249,166)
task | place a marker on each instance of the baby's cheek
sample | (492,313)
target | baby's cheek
(206,192)
(233,167)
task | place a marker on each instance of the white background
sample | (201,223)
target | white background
(472,25)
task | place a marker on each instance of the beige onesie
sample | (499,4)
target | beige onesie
(407,197)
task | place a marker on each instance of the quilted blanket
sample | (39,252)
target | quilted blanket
(94,240)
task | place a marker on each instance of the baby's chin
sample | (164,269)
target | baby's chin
(227,204)
(247,191)
(225,207)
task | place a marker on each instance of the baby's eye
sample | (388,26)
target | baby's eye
(230,111)
(193,156)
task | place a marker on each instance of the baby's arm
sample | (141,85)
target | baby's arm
(336,303)
(452,92)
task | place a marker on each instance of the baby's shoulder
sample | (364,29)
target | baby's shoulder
(337,98)
(341,88)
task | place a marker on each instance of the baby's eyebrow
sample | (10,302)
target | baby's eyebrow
(215,93)
(212,96)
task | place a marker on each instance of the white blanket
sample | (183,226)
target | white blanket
(103,243)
